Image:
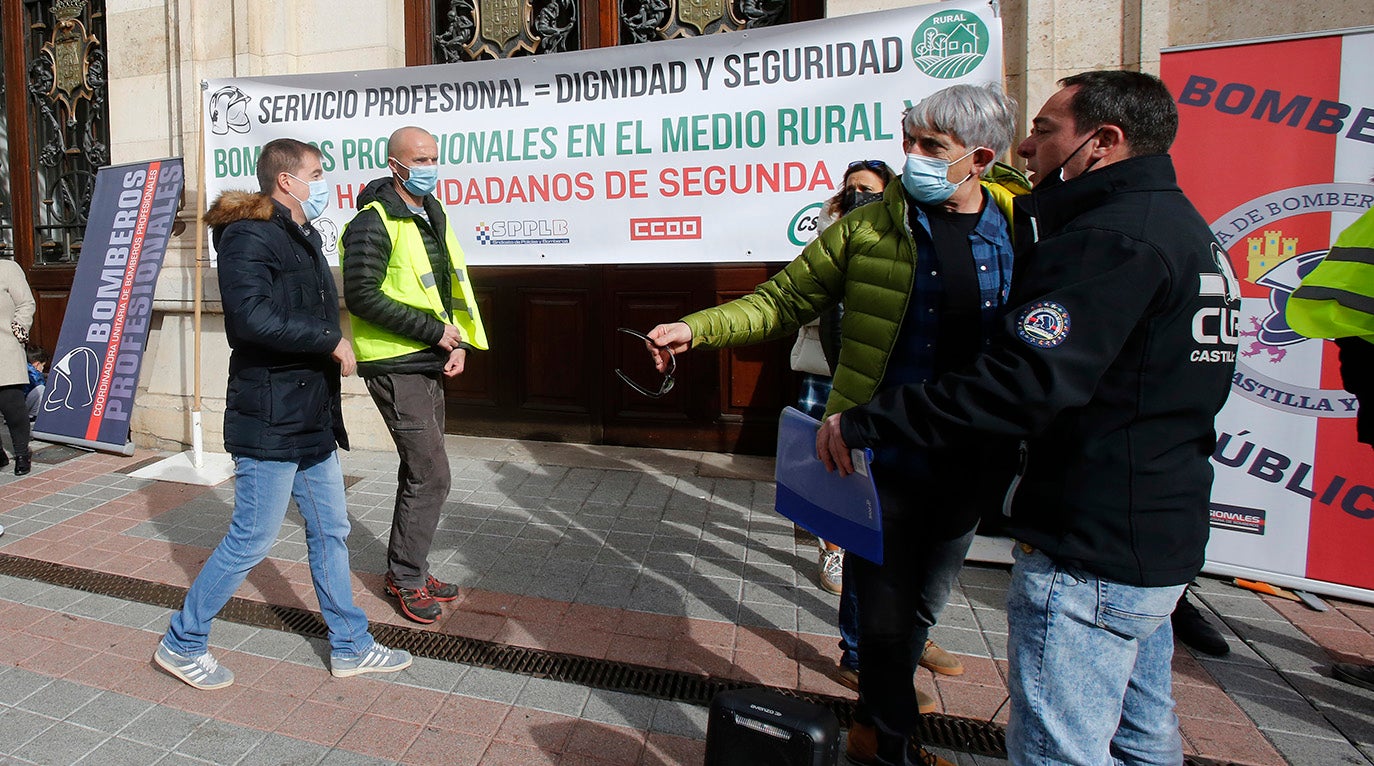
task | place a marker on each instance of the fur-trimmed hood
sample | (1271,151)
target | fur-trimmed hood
(234,206)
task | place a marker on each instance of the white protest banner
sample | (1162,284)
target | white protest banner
(712,148)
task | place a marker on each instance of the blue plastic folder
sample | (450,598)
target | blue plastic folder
(839,509)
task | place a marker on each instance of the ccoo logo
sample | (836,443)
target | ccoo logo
(682,227)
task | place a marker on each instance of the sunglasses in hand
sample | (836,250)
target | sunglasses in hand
(667,384)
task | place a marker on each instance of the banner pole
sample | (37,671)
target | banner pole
(192,466)
(197,445)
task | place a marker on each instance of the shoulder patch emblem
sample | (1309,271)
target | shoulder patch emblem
(1043,324)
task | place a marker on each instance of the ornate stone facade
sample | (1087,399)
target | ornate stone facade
(160,50)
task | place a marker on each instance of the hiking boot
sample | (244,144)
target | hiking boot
(1354,673)
(862,748)
(832,571)
(377,659)
(849,678)
(1193,629)
(938,660)
(416,604)
(200,671)
(23,463)
(441,591)
(925,703)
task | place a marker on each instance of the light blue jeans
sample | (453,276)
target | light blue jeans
(1090,674)
(261,491)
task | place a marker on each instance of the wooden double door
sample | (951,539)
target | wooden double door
(550,373)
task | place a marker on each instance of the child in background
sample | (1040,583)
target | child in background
(38,380)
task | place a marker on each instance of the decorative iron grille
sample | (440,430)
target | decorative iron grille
(644,21)
(495,29)
(467,30)
(69,118)
(6,172)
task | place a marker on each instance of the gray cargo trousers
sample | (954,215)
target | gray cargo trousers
(412,405)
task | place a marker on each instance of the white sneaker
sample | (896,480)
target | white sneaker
(377,659)
(201,671)
(832,571)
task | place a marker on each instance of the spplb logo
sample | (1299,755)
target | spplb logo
(950,44)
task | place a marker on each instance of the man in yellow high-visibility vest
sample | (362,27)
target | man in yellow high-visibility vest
(414,318)
(1336,300)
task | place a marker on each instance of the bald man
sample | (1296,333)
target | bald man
(414,319)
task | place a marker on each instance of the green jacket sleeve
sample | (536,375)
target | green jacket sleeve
(810,284)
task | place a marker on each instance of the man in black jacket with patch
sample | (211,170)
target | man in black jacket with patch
(282,417)
(1111,371)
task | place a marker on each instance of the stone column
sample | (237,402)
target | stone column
(159,52)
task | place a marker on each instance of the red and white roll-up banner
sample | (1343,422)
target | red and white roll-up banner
(1276,149)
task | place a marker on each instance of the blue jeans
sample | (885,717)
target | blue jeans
(849,616)
(1090,674)
(261,491)
(898,603)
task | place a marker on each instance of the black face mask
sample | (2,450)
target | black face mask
(852,198)
(1056,176)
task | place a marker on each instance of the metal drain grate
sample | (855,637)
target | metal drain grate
(938,730)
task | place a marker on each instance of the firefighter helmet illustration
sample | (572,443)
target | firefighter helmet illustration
(71,384)
(228,111)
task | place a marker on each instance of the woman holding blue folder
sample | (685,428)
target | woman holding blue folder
(924,277)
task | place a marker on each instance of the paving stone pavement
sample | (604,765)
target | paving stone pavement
(669,559)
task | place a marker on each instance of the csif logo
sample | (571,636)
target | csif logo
(802,229)
(950,44)
(665,228)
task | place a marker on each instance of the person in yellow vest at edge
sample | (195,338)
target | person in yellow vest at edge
(414,318)
(1336,300)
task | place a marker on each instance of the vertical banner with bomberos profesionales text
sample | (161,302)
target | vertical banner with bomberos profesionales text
(94,372)
(1276,149)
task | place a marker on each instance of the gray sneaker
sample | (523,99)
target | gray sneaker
(377,659)
(201,671)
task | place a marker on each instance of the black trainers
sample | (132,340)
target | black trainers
(441,591)
(1194,631)
(23,463)
(1354,673)
(4,459)
(417,604)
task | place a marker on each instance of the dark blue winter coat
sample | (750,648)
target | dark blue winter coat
(281,316)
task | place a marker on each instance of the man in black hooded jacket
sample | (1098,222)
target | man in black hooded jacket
(283,422)
(1111,371)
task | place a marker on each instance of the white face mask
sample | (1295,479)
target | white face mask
(926,179)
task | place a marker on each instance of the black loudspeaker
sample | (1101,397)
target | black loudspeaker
(760,727)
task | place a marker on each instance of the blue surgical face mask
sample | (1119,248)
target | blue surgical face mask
(422,180)
(926,179)
(314,205)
